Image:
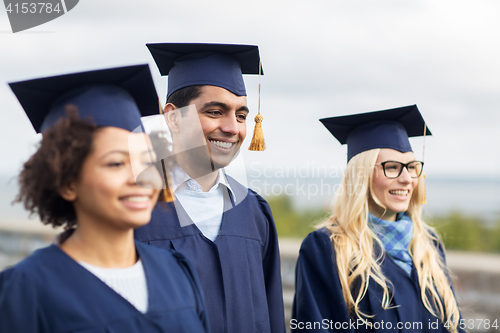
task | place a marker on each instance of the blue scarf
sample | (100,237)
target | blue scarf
(395,237)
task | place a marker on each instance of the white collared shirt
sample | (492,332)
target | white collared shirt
(205,209)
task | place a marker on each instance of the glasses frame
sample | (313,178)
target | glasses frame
(403,165)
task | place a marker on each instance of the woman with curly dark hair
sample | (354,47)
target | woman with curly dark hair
(93,174)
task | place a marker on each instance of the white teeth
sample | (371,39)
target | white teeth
(399,192)
(141,198)
(222,144)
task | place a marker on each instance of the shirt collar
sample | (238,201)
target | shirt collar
(180,177)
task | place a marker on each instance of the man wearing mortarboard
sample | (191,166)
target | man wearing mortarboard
(223,228)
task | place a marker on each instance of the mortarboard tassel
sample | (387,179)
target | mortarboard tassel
(166,193)
(424,198)
(258,143)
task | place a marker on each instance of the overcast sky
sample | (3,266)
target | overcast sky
(321,59)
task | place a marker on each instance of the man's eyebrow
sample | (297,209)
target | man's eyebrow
(244,108)
(223,106)
(218,104)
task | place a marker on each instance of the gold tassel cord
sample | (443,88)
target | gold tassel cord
(258,143)
(166,194)
(424,198)
(423,149)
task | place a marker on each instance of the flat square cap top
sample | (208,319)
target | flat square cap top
(221,65)
(379,129)
(110,97)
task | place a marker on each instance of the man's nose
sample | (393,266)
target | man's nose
(229,124)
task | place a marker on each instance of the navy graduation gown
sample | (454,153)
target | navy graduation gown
(50,292)
(319,304)
(239,271)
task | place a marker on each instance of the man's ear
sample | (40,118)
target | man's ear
(68,192)
(171,113)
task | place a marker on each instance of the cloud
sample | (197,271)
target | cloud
(321,58)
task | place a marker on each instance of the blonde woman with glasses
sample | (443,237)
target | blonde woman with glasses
(375,265)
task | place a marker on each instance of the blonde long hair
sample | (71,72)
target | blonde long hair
(353,242)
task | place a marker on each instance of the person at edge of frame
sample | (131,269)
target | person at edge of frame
(96,277)
(225,229)
(375,265)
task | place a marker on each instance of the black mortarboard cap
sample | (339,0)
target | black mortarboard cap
(379,129)
(110,97)
(221,65)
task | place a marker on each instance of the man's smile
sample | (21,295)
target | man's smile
(226,145)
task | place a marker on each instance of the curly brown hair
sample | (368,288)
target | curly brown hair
(56,164)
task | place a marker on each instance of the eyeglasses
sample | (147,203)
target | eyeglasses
(393,169)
